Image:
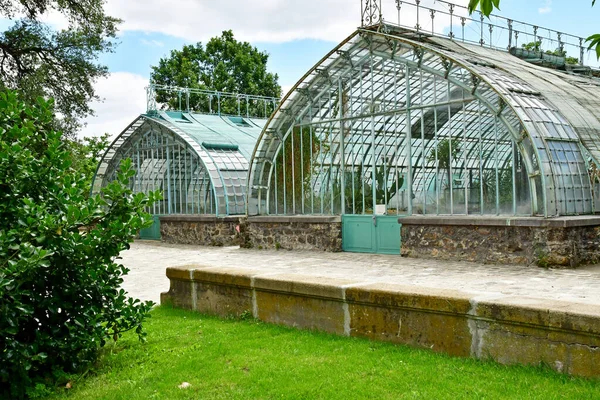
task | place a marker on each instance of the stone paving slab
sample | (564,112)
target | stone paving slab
(148,261)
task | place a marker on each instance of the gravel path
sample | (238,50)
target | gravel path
(148,261)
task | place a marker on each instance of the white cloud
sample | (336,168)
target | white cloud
(546,7)
(255,20)
(124,99)
(251,20)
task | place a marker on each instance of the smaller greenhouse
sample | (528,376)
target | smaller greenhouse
(197,159)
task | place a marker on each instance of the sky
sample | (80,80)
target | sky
(295,34)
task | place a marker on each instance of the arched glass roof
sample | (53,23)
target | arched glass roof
(426,125)
(198,161)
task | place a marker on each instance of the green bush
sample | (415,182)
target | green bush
(59,284)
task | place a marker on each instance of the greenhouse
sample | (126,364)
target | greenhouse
(412,139)
(197,159)
(393,122)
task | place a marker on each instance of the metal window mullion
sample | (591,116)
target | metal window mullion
(481,202)
(373,158)
(284,179)
(201,190)
(574,170)
(352,149)
(408,127)
(187,210)
(515,155)
(138,170)
(179,178)
(398,140)
(464,169)
(436,142)
(342,152)
(566,170)
(194,184)
(496,165)
(275,188)
(302,169)
(293,156)
(423,160)
(581,174)
(155,205)
(312,190)
(331,175)
(321,164)
(383,133)
(161,205)
(168,168)
(362,145)
(450,155)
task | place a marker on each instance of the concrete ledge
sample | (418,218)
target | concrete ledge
(198,218)
(562,222)
(309,286)
(304,219)
(508,329)
(410,297)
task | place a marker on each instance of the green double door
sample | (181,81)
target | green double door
(153,231)
(371,234)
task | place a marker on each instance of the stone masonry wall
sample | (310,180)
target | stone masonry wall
(292,233)
(203,230)
(563,242)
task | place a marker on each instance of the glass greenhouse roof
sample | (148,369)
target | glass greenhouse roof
(199,161)
(382,112)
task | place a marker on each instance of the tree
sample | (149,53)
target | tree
(487,6)
(223,65)
(63,65)
(59,283)
(537,46)
(85,155)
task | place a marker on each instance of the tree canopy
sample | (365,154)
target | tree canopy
(40,61)
(537,46)
(224,64)
(487,6)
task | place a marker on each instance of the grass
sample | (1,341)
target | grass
(247,359)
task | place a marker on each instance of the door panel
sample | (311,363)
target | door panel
(153,231)
(388,235)
(360,234)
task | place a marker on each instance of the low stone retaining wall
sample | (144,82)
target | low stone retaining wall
(565,336)
(292,233)
(203,230)
(322,233)
(547,242)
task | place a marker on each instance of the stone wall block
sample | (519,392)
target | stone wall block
(291,233)
(564,243)
(200,230)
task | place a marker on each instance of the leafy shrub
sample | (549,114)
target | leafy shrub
(59,283)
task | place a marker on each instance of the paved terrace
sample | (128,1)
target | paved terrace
(148,261)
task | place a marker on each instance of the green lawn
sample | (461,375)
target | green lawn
(235,359)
